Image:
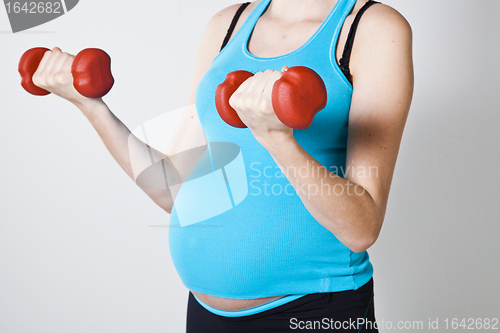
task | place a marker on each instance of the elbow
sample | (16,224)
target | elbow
(366,234)
(167,207)
(362,243)
(165,202)
(365,239)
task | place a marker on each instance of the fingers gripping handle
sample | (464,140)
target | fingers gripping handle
(91,70)
(297,97)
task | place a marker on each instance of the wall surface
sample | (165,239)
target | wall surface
(83,250)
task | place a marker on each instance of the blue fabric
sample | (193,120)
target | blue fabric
(250,311)
(267,243)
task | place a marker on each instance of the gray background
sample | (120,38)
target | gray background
(82,249)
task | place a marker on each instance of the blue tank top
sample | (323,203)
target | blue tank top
(238,229)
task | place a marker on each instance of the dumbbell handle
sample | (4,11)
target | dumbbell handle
(91,70)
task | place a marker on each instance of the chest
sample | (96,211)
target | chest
(273,38)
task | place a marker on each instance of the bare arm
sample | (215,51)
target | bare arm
(382,69)
(54,75)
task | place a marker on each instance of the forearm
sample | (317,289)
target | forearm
(133,155)
(344,208)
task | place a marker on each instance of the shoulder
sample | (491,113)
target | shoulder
(212,39)
(383,43)
(220,22)
(217,27)
(382,22)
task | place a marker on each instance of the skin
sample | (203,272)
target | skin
(382,76)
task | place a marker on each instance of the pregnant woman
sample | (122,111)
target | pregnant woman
(291,254)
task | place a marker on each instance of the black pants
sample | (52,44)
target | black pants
(344,311)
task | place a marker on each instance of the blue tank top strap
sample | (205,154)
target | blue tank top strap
(331,26)
(256,13)
(341,9)
(328,33)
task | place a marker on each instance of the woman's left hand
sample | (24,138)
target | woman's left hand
(252,101)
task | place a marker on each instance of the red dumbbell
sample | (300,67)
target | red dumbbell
(91,70)
(297,97)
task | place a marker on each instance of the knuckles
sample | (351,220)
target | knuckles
(61,78)
(249,102)
(263,106)
(47,76)
(245,100)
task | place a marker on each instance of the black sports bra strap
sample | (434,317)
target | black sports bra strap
(346,55)
(233,23)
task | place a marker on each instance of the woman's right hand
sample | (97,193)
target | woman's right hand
(54,75)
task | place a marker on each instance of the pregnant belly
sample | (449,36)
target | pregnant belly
(230,304)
